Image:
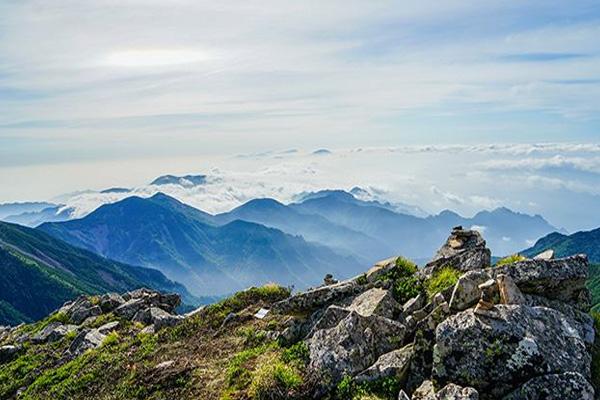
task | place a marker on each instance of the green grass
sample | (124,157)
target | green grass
(405,285)
(213,315)
(510,259)
(441,280)
(596,353)
(274,379)
(385,389)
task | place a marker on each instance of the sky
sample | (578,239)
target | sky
(102,93)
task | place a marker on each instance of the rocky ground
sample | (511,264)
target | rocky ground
(458,328)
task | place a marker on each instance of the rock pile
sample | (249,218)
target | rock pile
(80,318)
(516,331)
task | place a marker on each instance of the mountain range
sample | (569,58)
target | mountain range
(192,247)
(40,272)
(264,240)
(585,242)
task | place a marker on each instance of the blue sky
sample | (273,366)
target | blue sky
(134,81)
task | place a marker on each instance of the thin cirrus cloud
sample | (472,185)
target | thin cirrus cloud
(147,58)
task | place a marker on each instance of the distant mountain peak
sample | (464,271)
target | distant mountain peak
(116,190)
(185,180)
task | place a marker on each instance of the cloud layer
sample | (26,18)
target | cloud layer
(536,179)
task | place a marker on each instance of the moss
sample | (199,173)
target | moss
(511,259)
(441,280)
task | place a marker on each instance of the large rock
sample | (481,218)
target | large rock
(464,250)
(317,298)
(157,316)
(375,301)
(561,279)
(53,332)
(130,308)
(496,355)
(86,340)
(353,345)
(165,301)
(393,364)
(567,386)
(110,301)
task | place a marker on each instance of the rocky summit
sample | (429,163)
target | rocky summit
(458,328)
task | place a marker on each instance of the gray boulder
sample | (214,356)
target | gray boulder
(162,319)
(130,308)
(53,332)
(375,301)
(495,355)
(393,364)
(353,345)
(464,250)
(166,301)
(329,318)
(317,298)
(567,386)
(110,301)
(86,340)
(81,313)
(561,279)
(414,304)
(108,327)
(545,255)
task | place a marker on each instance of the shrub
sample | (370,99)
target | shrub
(407,288)
(441,280)
(511,259)
(405,267)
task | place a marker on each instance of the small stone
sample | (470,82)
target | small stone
(164,364)
(402,395)
(509,291)
(438,299)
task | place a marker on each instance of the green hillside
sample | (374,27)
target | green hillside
(39,273)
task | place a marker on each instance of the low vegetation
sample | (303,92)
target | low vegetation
(510,259)
(205,361)
(441,280)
